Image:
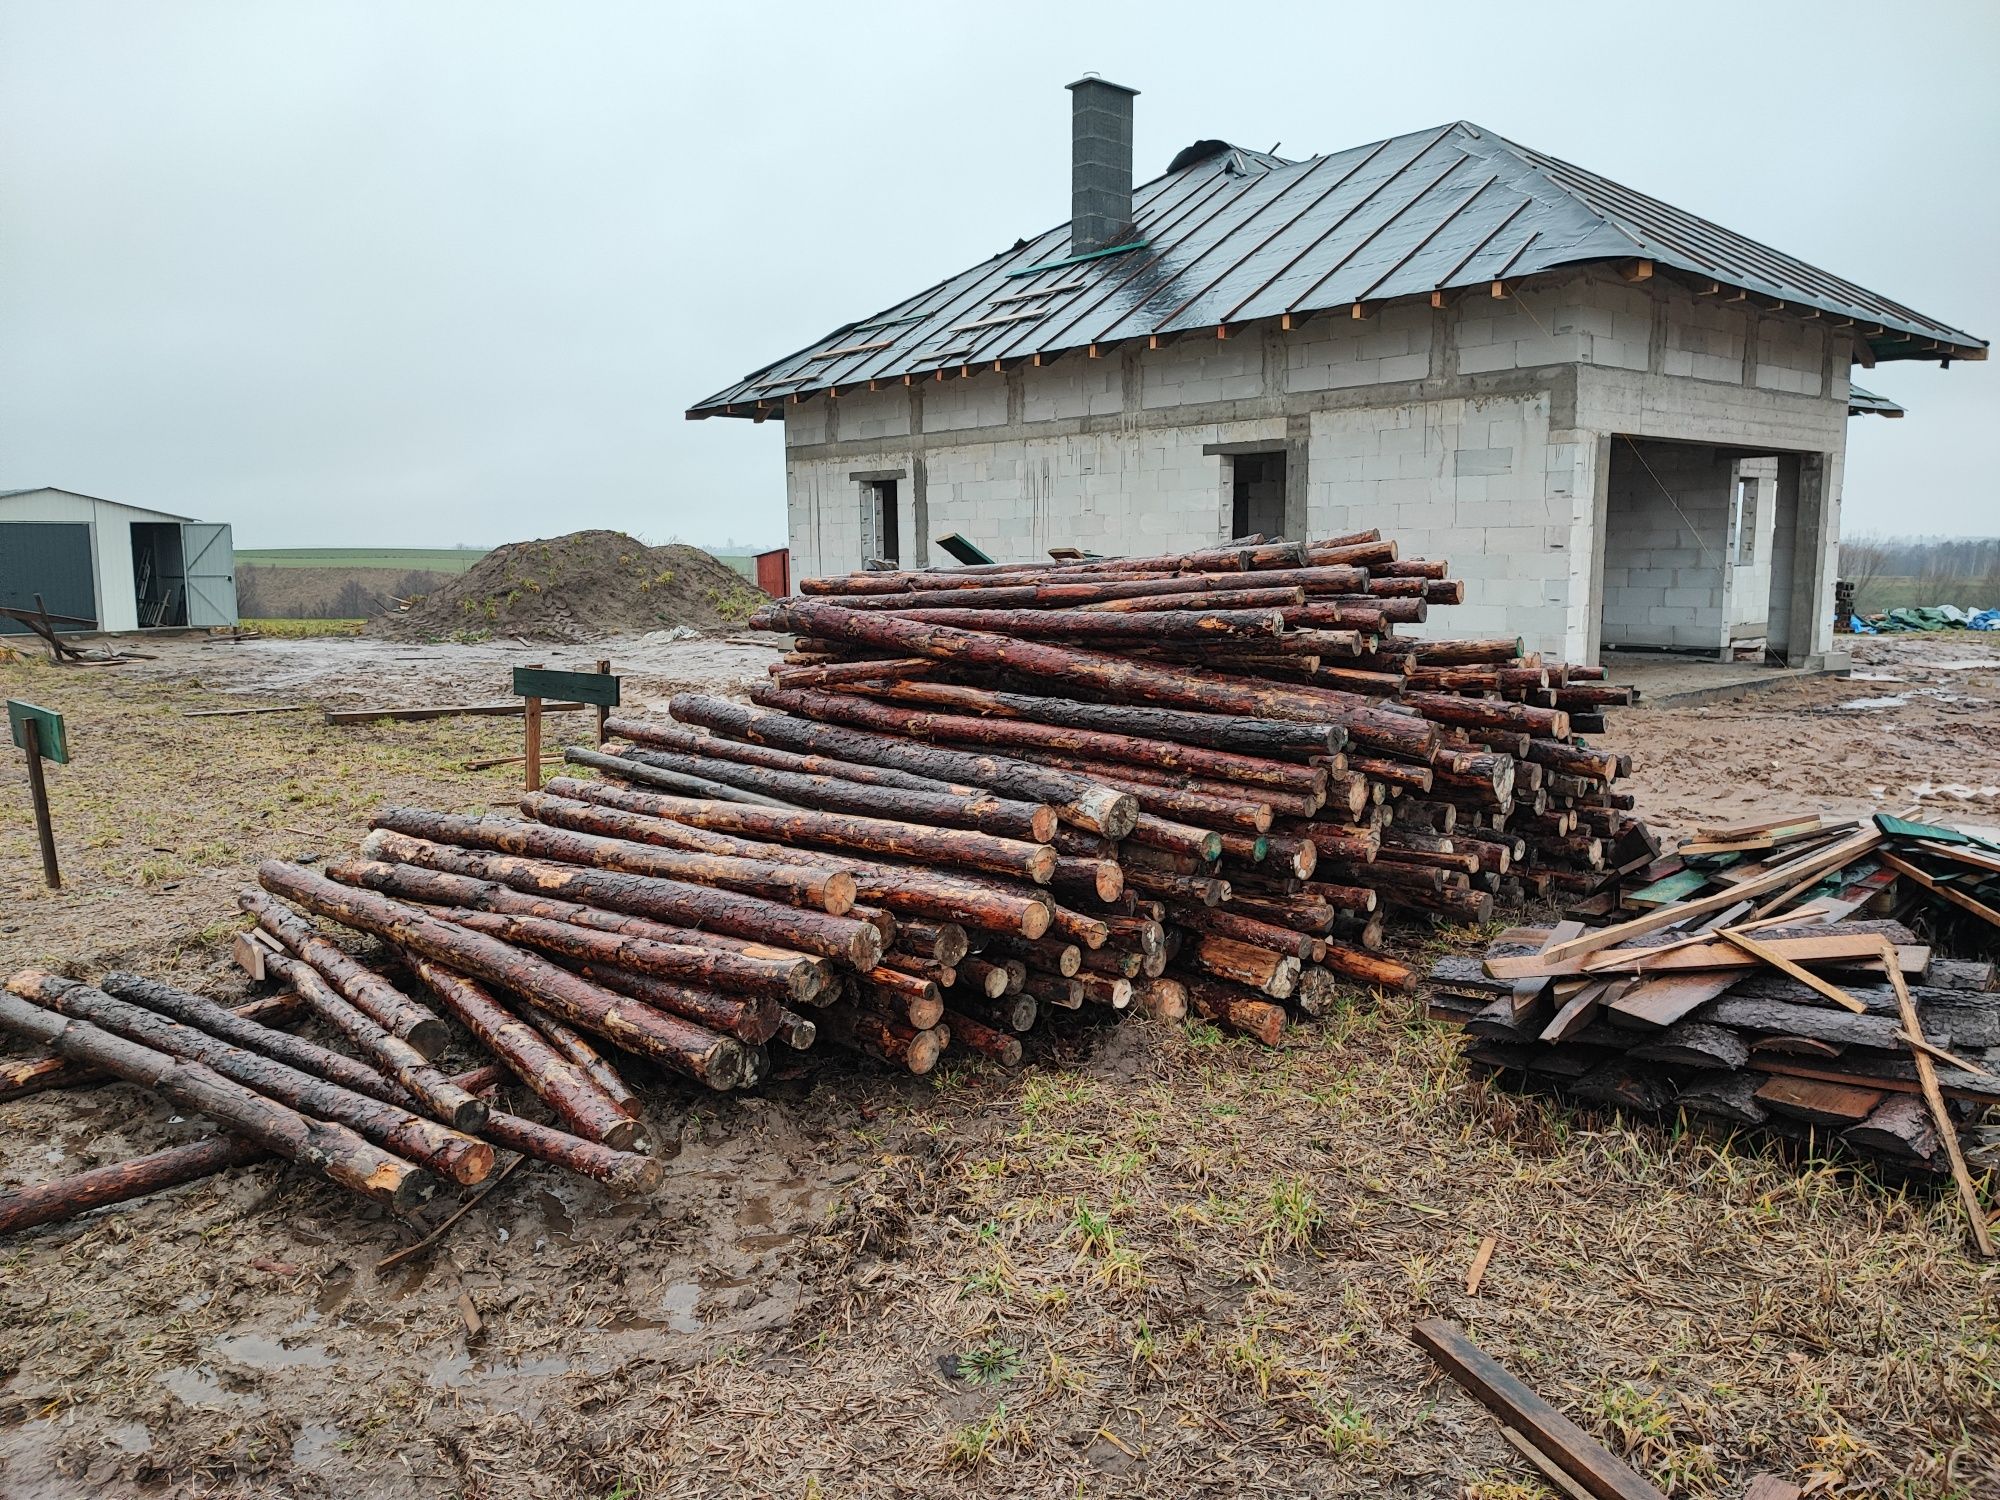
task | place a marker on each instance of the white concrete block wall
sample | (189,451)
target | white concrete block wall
(871,414)
(969,401)
(1791,356)
(1334,352)
(1482,484)
(1665,546)
(1073,387)
(1196,371)
(1705,340)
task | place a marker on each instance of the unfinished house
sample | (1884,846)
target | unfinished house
(1622,424)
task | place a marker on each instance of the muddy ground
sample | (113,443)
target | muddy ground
(1159,1262)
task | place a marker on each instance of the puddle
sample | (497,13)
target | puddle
(199,1387)
(754,1214)
(258,1351)
(332,1295)
(130,1437)
(457,1371)
(759,1244)
(317,1443)
(1895,701)
(678,1302)
(556,1216)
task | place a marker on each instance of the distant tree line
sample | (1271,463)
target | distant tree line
(291,594)
(1890,572)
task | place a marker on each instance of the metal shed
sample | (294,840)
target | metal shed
(123,566)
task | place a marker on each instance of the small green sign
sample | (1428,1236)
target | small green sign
(51,740)
(600,688)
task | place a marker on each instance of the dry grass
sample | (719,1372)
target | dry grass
(1163,1262)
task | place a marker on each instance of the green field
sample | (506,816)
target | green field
(432,559)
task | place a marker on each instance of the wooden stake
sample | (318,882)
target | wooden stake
(1941,1115)
(38,791)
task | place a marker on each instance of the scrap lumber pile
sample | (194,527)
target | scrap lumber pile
(1764,992)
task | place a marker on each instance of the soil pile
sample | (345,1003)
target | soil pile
(579,587)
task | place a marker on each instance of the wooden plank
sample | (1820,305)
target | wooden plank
(599,688)
(1853,950)
(1941,1117)
(445,711)
(1805,866)
(1970,1087)
(1575,1452)
(1818,1101)
(1661,1002)
(1764,952)
(1938,888)
(1480,1260)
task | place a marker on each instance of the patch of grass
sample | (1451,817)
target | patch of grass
(305,629)
(410,559)
(991,1363)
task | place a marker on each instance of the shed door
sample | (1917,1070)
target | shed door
(208,560)
(50,558)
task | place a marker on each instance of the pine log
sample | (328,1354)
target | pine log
(21,1076)
(959,848)
(609,842)
(1032,822)
(977,1036)
(725,963)
(363,989)
(1368,968)
(1282,597)
(718,1061)
(878,1037)
(1270,738)
(944,942)
(335,1151)
(1098,626)
(1119,677)
(903,996)
(1075,799)
(840,672)
(1274,974)
(120,1182)
(390,1053)
(750,1019)
(843,938)
(1162,999)
(411,1136)
(575,1046)
(1233,1006)
(1222,922)
(571,1094)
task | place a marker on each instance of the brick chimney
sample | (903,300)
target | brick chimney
(1100,173)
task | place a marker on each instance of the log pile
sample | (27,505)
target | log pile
(968,802)
(1776,997)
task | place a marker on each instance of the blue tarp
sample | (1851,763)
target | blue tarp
(1938,617)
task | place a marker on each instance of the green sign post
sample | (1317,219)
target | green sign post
(536,683)
(39,732)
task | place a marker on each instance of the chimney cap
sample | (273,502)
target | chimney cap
(1092,80)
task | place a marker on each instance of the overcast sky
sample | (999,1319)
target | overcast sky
(424,273)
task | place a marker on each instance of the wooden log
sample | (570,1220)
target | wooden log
(990,979)
(1075,799)
(1033,822)
(363,989)
(975,1035)
(967,899)
(1121,677)
(718,1061)
(1466,653)
(1010,1013)
(21,1076)
(1162,999)
(956,848)
(120,1182)
(1105,989)
(388,1124)
(577,1047)
(750,1019)
(673,952)
(629,767)
(1368,968)
(608,841)
(1567,1446)
(334,1151)
(1244,928)
(1900,1128)
(877,1036)
(570,1093)
(1489,713)
(1100,626)
(837,673)
(1208,599)
(1268,738)
(390,1053)
(907,997)
(1275,974)
(1051,955)
(946,942)
(813,932)
(1234,1007)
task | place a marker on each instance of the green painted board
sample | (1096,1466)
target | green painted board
(1897,828)
(1673,888)
(600,688)
(54,743)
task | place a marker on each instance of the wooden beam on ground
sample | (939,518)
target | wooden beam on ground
(1947,1129)
(445,711)
(1572,1450)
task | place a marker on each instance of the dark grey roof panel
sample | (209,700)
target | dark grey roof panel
(1245,235)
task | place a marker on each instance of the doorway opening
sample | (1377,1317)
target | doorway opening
(1257,494)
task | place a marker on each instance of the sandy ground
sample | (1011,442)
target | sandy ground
(1159,1262)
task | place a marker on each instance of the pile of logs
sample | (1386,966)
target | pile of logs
(1775,1000)
(968,802)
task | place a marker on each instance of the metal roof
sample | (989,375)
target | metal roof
(51,489)
(1867,403)
(1244,235)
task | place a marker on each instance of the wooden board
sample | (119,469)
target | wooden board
(597,688)
(1572,1450)
(1817,1101)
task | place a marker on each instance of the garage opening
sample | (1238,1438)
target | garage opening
(1257,490)
(159,578)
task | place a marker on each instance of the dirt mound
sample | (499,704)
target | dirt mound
(579,587)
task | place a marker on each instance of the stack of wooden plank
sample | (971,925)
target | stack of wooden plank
(1759,993)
